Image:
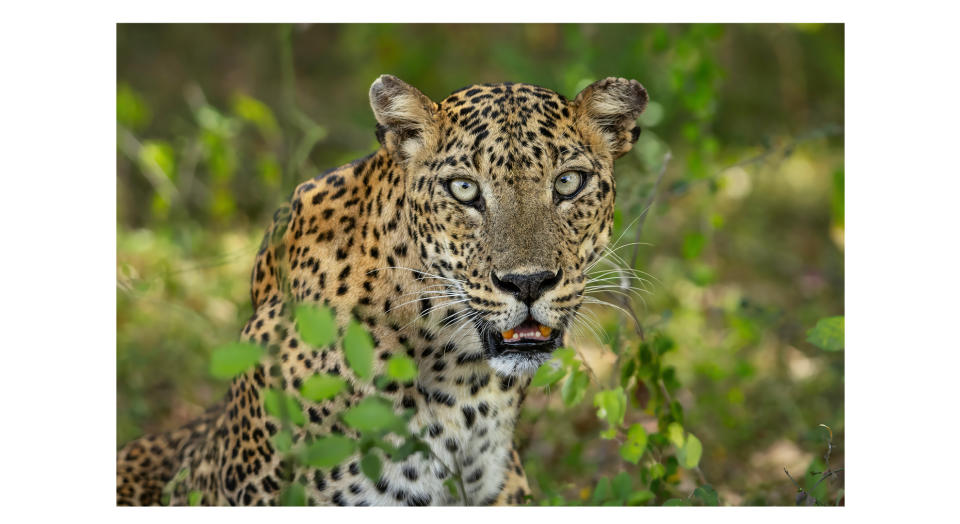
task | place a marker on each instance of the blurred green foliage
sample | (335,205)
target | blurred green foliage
(743,246)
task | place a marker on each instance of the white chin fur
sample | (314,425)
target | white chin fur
(513,364)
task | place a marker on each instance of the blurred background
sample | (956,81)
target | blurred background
(216,124)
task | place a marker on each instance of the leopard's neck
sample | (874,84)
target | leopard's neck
(351,245)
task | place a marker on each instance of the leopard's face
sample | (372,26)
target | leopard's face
(510,192)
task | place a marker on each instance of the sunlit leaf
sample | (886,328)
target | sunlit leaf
(232,359)
(194,498)
(132,110)
(675,434)
(611,406)
(322,386)
(550,372)
(636,443)
(691,452)
(575,387)
(639,498)
(358,347)
(827,334)
(283,406)
(316,325)
(255,112)
(372,414)
(327,452)
(158,157)
(401,368)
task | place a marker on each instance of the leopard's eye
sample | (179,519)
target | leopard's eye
(464,190)
(568,183)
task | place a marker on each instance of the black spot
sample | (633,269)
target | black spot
(382,485)
(319,481)
(470,415)
(419,500)
(410,473)
(475,476)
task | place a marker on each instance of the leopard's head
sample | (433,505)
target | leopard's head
(510,199)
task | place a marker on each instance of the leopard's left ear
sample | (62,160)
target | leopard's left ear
(611,106)
(404,115)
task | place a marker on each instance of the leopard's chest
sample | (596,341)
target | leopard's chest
(467,414)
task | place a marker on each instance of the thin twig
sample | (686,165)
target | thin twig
(646,208)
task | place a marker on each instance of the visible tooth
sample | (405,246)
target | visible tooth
(516,335)
(545,331)
(507,334)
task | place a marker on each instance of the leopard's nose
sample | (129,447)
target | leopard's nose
(527,287)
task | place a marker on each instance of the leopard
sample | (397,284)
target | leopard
(463,243)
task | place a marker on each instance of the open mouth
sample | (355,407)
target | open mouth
(529,337)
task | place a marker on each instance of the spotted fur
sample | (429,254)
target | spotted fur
(381,239)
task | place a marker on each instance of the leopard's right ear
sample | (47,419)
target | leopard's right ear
(404,115)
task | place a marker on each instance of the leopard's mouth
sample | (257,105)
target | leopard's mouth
(529,338)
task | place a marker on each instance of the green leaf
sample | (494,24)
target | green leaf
(132,110)
(401,368)
(566,356)
(575,387)
(256,112)
(675,434)
(635,445)
(283,406)
(602,492)
(549,373)
(372,414)
(358,347)
(329,451)
(622,485)
(316,325)
(157,156)
(657,471)
(371,466)
(827,334)
(194,498)
(232,359)
(707,494)
(693,244)
(611,406)
(282,441)
(322,386)
(452,487)
(640,498)
(691,452)
(627,371)
(294,495)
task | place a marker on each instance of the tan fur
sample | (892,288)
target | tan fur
(382,240)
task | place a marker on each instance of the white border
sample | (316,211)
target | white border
(59,210)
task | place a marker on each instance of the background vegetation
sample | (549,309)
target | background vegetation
(743,245)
